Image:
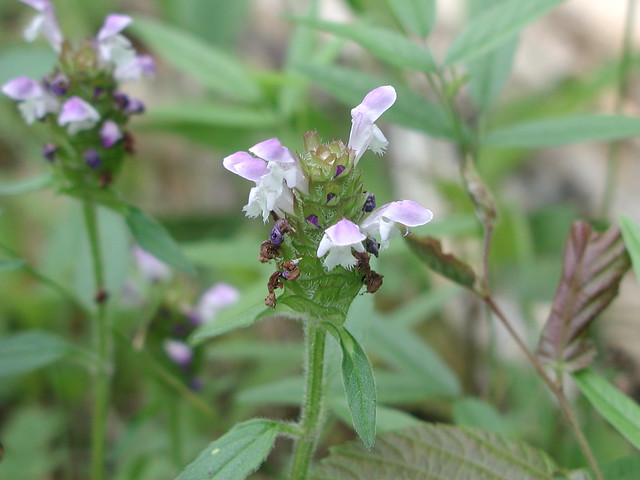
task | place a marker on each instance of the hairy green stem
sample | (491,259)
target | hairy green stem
(564,404)
(102,342)
(623,86)
(311,416)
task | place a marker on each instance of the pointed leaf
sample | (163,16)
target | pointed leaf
(235,455)
(429,250)
(550,132)
(417,16)
(389,46)
(436,452)
(27,351)
(494,26)
(153,238)
(594,264)
(359,384)
(618,409)
(626,468)
(214,68)
(210,114)
(631,236)
(410,110)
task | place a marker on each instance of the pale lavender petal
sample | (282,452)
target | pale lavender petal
(22,88)
(45,23)
(153,269)
(134,69)
(218,297)
(39,5)
(406,212)
(113,24)
(110,133)
(272,151)
(345,232)
(78,115)
(178,351)
(246,165)
(376,102)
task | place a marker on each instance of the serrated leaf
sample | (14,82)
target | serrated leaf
(631,235)
(410,110)
(155,239)
(213,67)
(210,114)
(359,384)
(389,46)
(618,409)
(235,455)
(550,132)
(436,452)
(27,185)
(417,16)
(429,250)
(11,264)
(27,351)
(593,266)
(494,26)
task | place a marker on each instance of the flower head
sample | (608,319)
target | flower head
(338,240)
(382,220)
(364,133)
(35,101)
(78,115)
(44,23)
(218,297)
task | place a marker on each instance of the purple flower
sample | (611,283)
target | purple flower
(134,69)
(151,268)
(110,134)
(178,351)
(45,22)
(78,115)
(275,172)
(113,48)
(218,297)
(404,212)
(35,101)
(134,107)
(313,220)
(364,133)
(338,240)
(92,158)
(57,84)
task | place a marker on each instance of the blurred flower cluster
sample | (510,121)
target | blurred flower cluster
(80,101)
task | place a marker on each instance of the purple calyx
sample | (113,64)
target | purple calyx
(339,170)
(369,203)
(313,220)
(92,158)
(371,246)
(49,151)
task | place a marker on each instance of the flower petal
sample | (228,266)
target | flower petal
(77,110)
(376,102)
(404,212)
(364,134)
(178,351)
(273,151)
(345,232)
(113,24)
(110,133)
(220,296)
(153,269)
(22,88)
(246,165)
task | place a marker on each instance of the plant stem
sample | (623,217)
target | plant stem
(565,406)
(623,87)
(311,415)
(102,342)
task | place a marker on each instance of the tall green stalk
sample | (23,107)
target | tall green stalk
(103,347)
(312,409)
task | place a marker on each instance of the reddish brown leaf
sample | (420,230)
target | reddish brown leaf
(593,266)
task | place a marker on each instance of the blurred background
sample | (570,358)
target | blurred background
(568,62)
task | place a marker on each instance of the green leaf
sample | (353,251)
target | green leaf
(410,110)
(593,266)
(11,264)
(618,409)
(387,45)
(631,235)
(626,468)
(27,351)
(210,114)
(494,26)
(476,413)
(153,238)
(213,67)
(359,384)
(27,185)
(436,452)
(235,455)
(387,418)
(417,16)
(429,250)
(550,132)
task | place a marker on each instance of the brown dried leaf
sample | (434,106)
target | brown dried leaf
(593,266)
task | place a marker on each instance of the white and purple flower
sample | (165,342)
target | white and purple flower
(44,23)
(383,220)
(218,297)
(275,172)
(338,240)
(35,101)
(110,134)
(364,132)
(78,115)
